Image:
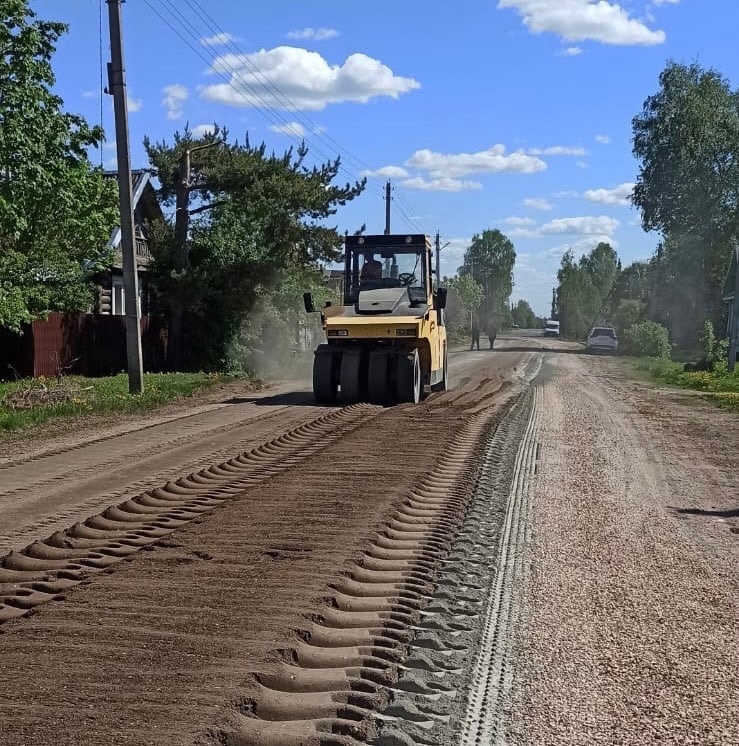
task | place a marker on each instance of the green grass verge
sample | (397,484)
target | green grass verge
(81,396)
(720,386)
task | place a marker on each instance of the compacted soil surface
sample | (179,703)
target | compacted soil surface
(155,649)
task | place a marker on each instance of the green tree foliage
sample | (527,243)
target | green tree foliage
(465,295)
(250,220)
(585,288)
(627,313)
(489,261)
(524,316)
(647,339)
(56,212)
(687,142)
(277,332)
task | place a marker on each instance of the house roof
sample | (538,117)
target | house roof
(140,180)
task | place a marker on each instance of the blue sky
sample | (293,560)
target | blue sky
(510,114)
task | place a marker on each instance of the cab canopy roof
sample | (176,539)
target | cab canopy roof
(393,241)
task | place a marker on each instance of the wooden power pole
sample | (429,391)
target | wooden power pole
(388,191)
(117,86)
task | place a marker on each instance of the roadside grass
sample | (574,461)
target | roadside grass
(719,386)
(30,402)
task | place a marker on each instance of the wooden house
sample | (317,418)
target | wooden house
(110,298)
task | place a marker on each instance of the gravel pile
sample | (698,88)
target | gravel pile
(629,630)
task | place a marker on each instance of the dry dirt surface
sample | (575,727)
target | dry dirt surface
(628,632)
(49,483)
(175,614)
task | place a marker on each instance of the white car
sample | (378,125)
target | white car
(602,339)
(551,329)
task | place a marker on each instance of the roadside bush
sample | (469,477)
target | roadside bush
(647,339)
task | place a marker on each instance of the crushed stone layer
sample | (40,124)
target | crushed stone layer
(629,629)
(450,686)
(153,649)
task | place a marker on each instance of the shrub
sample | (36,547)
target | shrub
(647,339)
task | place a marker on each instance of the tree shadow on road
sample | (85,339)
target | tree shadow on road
(732,513)
(291,398)
(553,350)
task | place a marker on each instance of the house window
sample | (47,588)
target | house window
(119,297)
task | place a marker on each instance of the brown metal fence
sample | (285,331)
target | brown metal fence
(83,344)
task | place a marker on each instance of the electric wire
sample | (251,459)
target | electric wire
(188,29)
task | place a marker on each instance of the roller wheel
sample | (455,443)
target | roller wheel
(408,378)
(349,379)
(324,385)
(377,378)
(443,385)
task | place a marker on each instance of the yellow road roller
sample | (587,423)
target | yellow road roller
(387,342)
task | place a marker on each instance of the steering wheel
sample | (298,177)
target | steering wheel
(406,278)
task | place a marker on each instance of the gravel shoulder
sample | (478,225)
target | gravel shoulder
(629,603)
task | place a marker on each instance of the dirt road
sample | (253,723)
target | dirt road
(443,574)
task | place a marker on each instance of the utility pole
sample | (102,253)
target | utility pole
(437,243)
(734,317)
(388,190)
(183,187)
(117,86)
(175,340)
(439,247)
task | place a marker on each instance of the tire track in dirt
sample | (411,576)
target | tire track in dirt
(365,626)
(326,690)
(151,448)
(77,492)
(45,569)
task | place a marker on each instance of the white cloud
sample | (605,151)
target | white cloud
(134,104)
(570,52)
(566,193)
(559,150)
(304,78)
(520,222)
(316,34)
(582,245)
(492,160)
(319,129)
(581,20)
(175,96)
(583,226)
(537,203)
(217,39)
(616,196)
(91,94)
(109,145)
(523,232)
(201,130)
(602,139)
(583,164)
(665,2)
(441,184)
(387,172)
(291,129)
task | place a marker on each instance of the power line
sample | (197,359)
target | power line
(265,109)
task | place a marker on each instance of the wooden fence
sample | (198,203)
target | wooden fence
(84,344)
